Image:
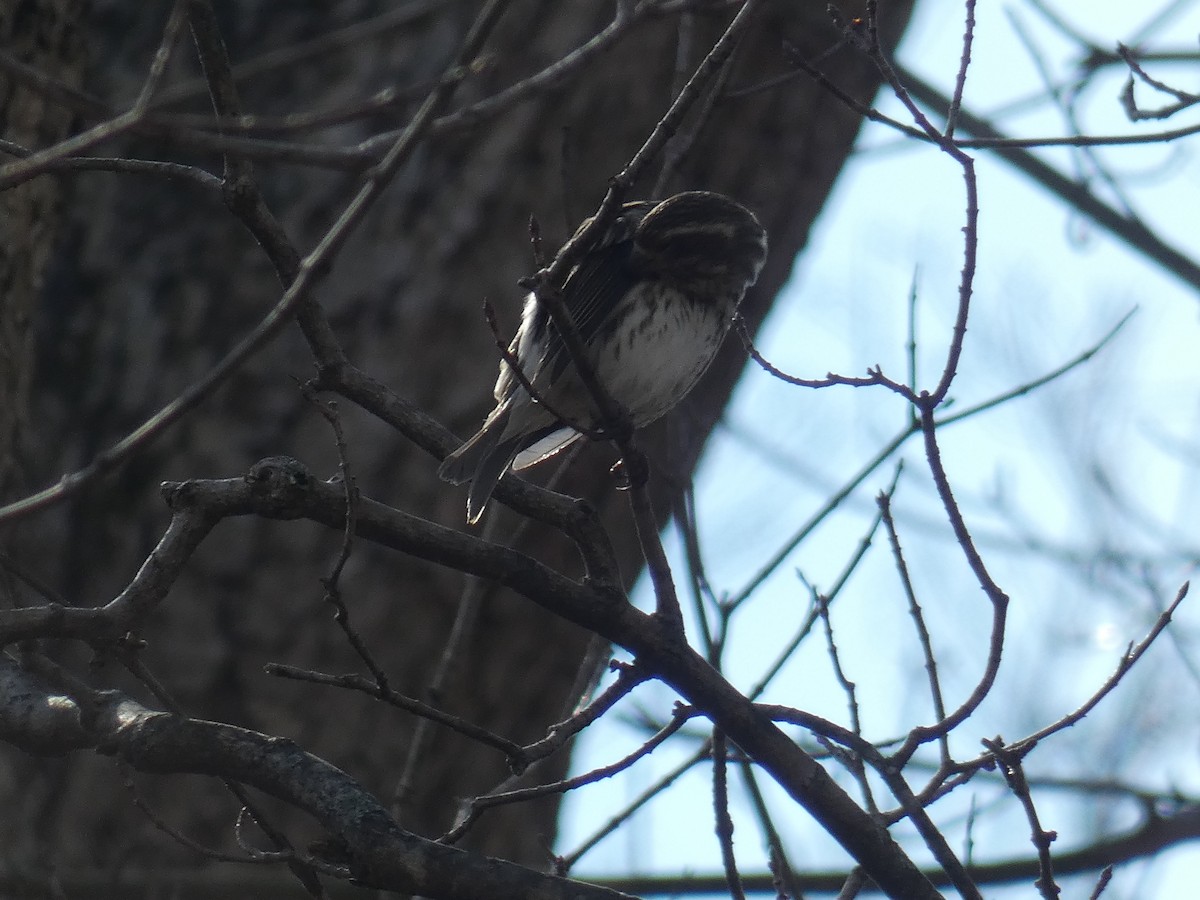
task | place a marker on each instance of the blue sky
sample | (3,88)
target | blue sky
(1105,458)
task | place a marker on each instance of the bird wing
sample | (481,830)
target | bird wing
(592,290)
(590,295)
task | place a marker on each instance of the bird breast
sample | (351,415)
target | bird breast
(660,342)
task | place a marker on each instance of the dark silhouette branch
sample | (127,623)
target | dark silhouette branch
(377,851)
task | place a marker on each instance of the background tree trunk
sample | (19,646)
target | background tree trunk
(45,36)
(150,282)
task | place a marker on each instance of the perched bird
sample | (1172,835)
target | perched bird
(651,301)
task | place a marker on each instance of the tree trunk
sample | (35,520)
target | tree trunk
(152,281)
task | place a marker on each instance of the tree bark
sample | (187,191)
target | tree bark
(151,282)
(43,35)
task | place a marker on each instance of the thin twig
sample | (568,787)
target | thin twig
(1101,883)
(350,38)
(1132,654)
(724,821)
(813,614)
(918,617)
(960,80)
(622,815)
(1010,763)
(997,597)
(854,764)
(1183,99)
(475,807)
(183,840)
(874,375)
(701,589)
(629,677)
(162,56)
(310,270)
(333,594)
(778,863)
(373,688)
(303,869)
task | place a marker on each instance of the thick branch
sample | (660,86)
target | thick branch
(603,611)
(379,852)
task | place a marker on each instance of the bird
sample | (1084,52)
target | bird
(652,300)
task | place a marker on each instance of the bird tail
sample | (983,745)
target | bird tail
(482,460)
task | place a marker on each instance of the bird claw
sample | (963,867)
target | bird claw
(631,471)
(619,472)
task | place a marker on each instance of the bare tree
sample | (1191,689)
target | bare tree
(265,290)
